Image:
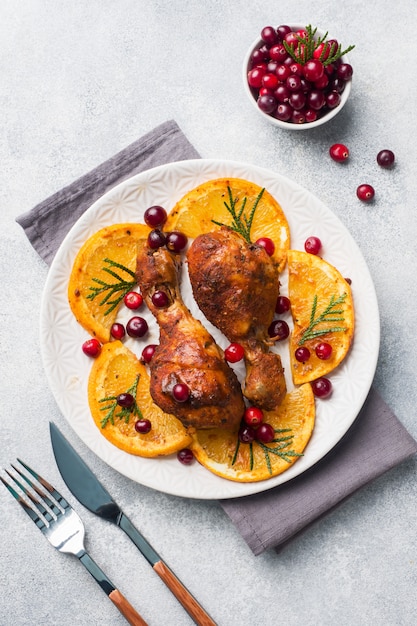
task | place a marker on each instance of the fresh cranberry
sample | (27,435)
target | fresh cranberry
(278,330)
(160,299)
(267,104)
(385,158)
(324,351)
(143,426)
(246,433)
(297,100)
(137,327)
(155,216)
(133,300)
(282,72)
(156,239)
(322,51)
(283,112)
(282,93)
(148,352)
(365,192)
(298,117)
(92,347)
(265,433)
(333,99)
(322,387)
(302,354)
(181,392)
(339,152)
(253,416)
(258,56)
(255,77)
(316,99)
(283,304)
(234,353)
(269,35)
(126,400)
(185,456)
(283,30)
(293,82)
(176,241)
(312,245)
(311,115)
(278,53)
(344,71)
(313,70)
(117,331)
(270,81)
(267,244)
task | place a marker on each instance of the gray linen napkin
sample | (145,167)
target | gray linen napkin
(376,442)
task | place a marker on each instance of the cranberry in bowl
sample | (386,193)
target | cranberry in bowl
(296,77)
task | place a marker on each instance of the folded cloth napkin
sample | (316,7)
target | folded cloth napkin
(375,443)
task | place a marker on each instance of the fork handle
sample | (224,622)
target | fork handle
(123,605)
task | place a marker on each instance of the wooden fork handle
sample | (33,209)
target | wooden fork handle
(126,609)
(190,604)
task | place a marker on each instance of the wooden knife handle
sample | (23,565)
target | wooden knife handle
(190,604)
(126,609)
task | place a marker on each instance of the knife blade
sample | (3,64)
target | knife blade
(88,490)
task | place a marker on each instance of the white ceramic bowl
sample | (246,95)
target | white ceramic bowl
(329,115)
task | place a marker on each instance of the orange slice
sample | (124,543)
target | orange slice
(117,370)
(195,212)
(92,267)
(322,311)
(221,453)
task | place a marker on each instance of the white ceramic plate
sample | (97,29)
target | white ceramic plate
(67,368)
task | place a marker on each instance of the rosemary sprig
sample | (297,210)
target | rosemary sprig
(114,292)
(282,443)
(304,51)
(330,315)
(240,223)
(125,412)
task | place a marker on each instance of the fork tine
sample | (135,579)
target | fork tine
(43,504)
(58,497)
(32,514)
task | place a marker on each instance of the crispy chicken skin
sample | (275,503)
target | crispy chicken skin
(187,353)
(236,286)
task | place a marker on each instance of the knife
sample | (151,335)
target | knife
(88,490)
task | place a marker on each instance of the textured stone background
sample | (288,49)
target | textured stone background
(78,82)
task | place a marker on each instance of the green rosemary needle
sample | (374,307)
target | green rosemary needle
(115,291)
(330,315)
(307,45)
(240,223)
(124,412)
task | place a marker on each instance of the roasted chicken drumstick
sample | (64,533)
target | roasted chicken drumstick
(236,285)
(187,354)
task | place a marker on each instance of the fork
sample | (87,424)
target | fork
(64,529)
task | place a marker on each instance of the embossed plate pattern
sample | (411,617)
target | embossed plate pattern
(67,368)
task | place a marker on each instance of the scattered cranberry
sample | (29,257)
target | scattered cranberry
(181,392)
(117,331)
(246,434)
(324,351)
(148,352)
(155,216)
(278,330)
(156,239)
(253,416)
(283,305)
(267,244)
(143,426)
(265,433)
(160,299)
(185,456)
(133,300)
(322,387)
(385,158)
(302,354)
(365,192)
(126,400)
(339,152)
(312,245)
(176,241)
(137,327)
(92,347)
(234,353)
